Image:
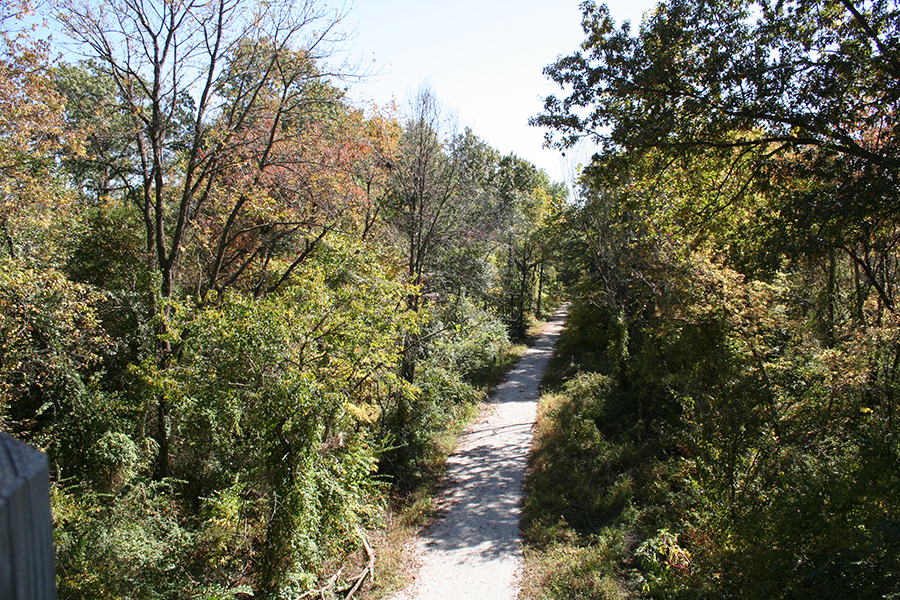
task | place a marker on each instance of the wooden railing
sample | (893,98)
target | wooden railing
(27,567)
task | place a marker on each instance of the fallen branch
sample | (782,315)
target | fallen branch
(369,568)
(353,584)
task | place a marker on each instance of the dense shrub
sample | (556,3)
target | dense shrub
(738,459)
(464,346)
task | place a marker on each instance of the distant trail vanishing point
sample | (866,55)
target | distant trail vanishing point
(473,551)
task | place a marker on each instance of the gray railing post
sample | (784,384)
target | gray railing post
(27,565)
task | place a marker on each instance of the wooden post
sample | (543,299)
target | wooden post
(27,565)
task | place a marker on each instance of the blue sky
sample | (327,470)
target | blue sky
(483,58)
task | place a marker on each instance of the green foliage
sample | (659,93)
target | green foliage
(108,252)
(463,345)
(283,392)
(467,338)
(597,481)
(734,249)
(131,545)
(733,457)
(51,344)
(206,312)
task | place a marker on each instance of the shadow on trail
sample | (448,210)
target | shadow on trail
(481,505)
(484,518)
(473,550)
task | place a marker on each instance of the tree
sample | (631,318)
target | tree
(423,204)
(737,232)
(209,88)
(808,75)
(526,201)
(32,133)
(426,180)
(786,92)
(213,91)
(461,263)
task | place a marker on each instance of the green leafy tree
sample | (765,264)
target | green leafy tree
(729,236)
(530,203)
(785,92)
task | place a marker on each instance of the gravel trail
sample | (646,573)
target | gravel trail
(473,551)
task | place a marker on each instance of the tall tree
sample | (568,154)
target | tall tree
(423,204)
(210,89)
(527,197)
(206,86)
(32,133)
(805,90)
(426,181)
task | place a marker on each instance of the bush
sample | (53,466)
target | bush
(740,457)
(131,545)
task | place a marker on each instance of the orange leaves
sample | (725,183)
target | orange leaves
(32,133)
(292,178)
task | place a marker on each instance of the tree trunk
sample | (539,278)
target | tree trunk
(162,439)
(830,291)
(540,293)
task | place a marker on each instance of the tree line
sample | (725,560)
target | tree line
(236,308)
(726,417)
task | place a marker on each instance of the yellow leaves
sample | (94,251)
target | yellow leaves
(48,295)
(31,110)
(718,293)
(32,131)
(841,368)
(364,412)
(663,554)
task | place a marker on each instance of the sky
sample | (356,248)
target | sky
(483,59)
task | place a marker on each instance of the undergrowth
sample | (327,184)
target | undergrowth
(671,462)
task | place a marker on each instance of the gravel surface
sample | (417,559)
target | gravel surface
(473,550)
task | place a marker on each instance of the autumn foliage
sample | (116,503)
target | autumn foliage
(205,300)
(726,415)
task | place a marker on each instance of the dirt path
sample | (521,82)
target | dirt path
(473,551)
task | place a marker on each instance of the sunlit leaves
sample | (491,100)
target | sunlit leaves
(51,340)
(289,389)
(204,304)
(32,132)
(738,238)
